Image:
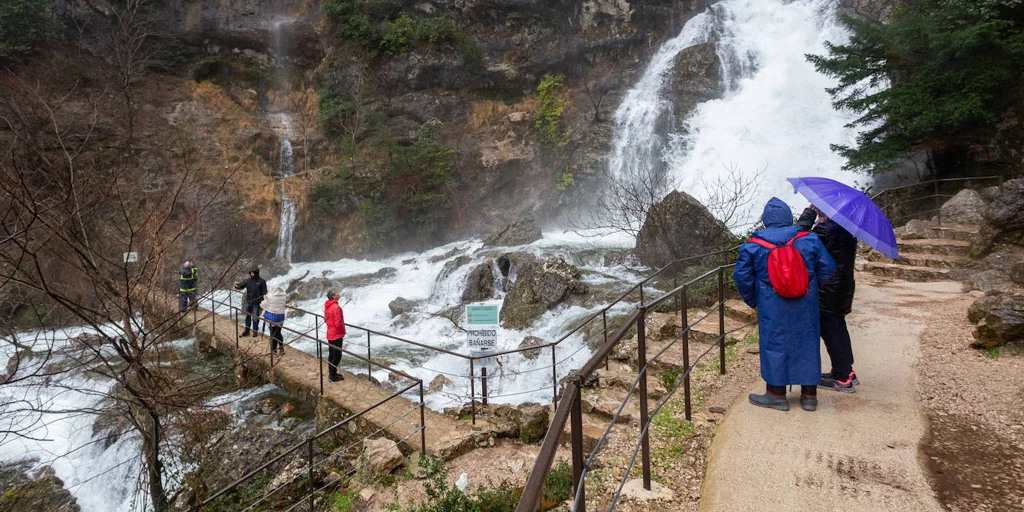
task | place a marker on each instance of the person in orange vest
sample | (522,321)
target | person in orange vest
(334,317)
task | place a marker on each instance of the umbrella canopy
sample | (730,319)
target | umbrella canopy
(851,209)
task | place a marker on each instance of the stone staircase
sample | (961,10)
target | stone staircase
(927,253)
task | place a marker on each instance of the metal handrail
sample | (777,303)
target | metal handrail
(933,181)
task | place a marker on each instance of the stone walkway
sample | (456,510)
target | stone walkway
(858,451)
(445,436)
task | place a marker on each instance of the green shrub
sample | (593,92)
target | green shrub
(382,32)
(447,498)
(343,501)
(564,181)
(558,484)
(549,111)
(333,111)
(23,23)
(425,170)
(399,36)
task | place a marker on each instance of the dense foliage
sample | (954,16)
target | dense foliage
(549,111)
(383,32)
(22,24)
(937,75)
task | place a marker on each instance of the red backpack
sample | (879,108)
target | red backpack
(787,271)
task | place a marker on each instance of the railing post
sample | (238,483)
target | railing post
(576,424)
(472,391)
(684,321)
(312,487)
(231,304)
(319,352)
(369,356)
(423,423)
(721,320)
(604,328)
(483,385)
(213,309)
(641,346)
(938,206)
(675,284)
(641,293)
(554,379)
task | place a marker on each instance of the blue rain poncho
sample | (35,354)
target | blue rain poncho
(788,328)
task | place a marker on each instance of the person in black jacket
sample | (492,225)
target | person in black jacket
(835,297)
(255,289)
(187,277)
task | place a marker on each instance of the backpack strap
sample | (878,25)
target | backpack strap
(763,243)
(797,237)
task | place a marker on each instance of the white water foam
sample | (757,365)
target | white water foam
(775,115)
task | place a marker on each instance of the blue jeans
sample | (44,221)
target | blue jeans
(252,315)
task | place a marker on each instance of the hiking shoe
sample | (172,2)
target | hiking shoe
(779,403)
(853,377)
(336,378)
(244,334)
(843,386)
(809,403)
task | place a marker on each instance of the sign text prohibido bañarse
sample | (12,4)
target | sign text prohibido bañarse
(482,334)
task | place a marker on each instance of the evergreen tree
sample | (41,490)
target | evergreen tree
(937,75)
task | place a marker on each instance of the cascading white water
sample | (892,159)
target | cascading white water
(775,114)
(286,232)
(280,45)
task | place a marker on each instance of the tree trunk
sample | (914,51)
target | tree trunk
(154,469)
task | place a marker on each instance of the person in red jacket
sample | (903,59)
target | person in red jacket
(335,320)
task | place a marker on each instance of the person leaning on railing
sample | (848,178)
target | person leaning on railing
(273,314)
(334,317)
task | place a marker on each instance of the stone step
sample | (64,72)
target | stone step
(739,310)
(935,246)
(915,259)
(906,272)
(962,233)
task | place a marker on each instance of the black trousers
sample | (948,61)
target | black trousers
(252,315)
(186,299)
(334,355)
(837,343)
(276,339)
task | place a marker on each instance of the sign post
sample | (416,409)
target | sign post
(482,340)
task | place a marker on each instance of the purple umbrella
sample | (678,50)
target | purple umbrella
(851,209)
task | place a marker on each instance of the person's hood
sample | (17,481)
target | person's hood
(255,270)
(329,301)
(777,214)
(276,291)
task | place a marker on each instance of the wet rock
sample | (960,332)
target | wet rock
(678,227)
(916,229)
(275,267)
(619,257)
(381,456)
(266,406)
(538,288)
(361,280)
(533,422)
(449,254)
(998,319)
(1017,273)
(316,287)
(717,410)
(25,487)
(531,341)
(521,232)
(479,284)
(697,78)
(439,383)
(400,306)
(966,207)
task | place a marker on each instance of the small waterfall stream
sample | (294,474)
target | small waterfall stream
(280,45)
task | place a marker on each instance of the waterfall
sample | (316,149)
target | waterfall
(285,236)
(279,48)
(775,116)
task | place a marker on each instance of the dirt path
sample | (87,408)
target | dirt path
(858,451)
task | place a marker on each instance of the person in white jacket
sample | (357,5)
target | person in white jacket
(273,312)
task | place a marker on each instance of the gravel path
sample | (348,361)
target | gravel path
(858,451)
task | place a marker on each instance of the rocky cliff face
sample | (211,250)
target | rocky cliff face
(360,100)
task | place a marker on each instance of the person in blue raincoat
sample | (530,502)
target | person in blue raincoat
(788,328)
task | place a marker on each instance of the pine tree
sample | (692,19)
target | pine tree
(938,75)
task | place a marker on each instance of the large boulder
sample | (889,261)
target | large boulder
(531,341)
(381,457)
(479,283)
(1006,211)
(533,422)
(521,232)
(316,287)
(26,488)
(697,78)
(678,227)
(439,383)
(998,319)
(536,288)
(966,207)
(400,306)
